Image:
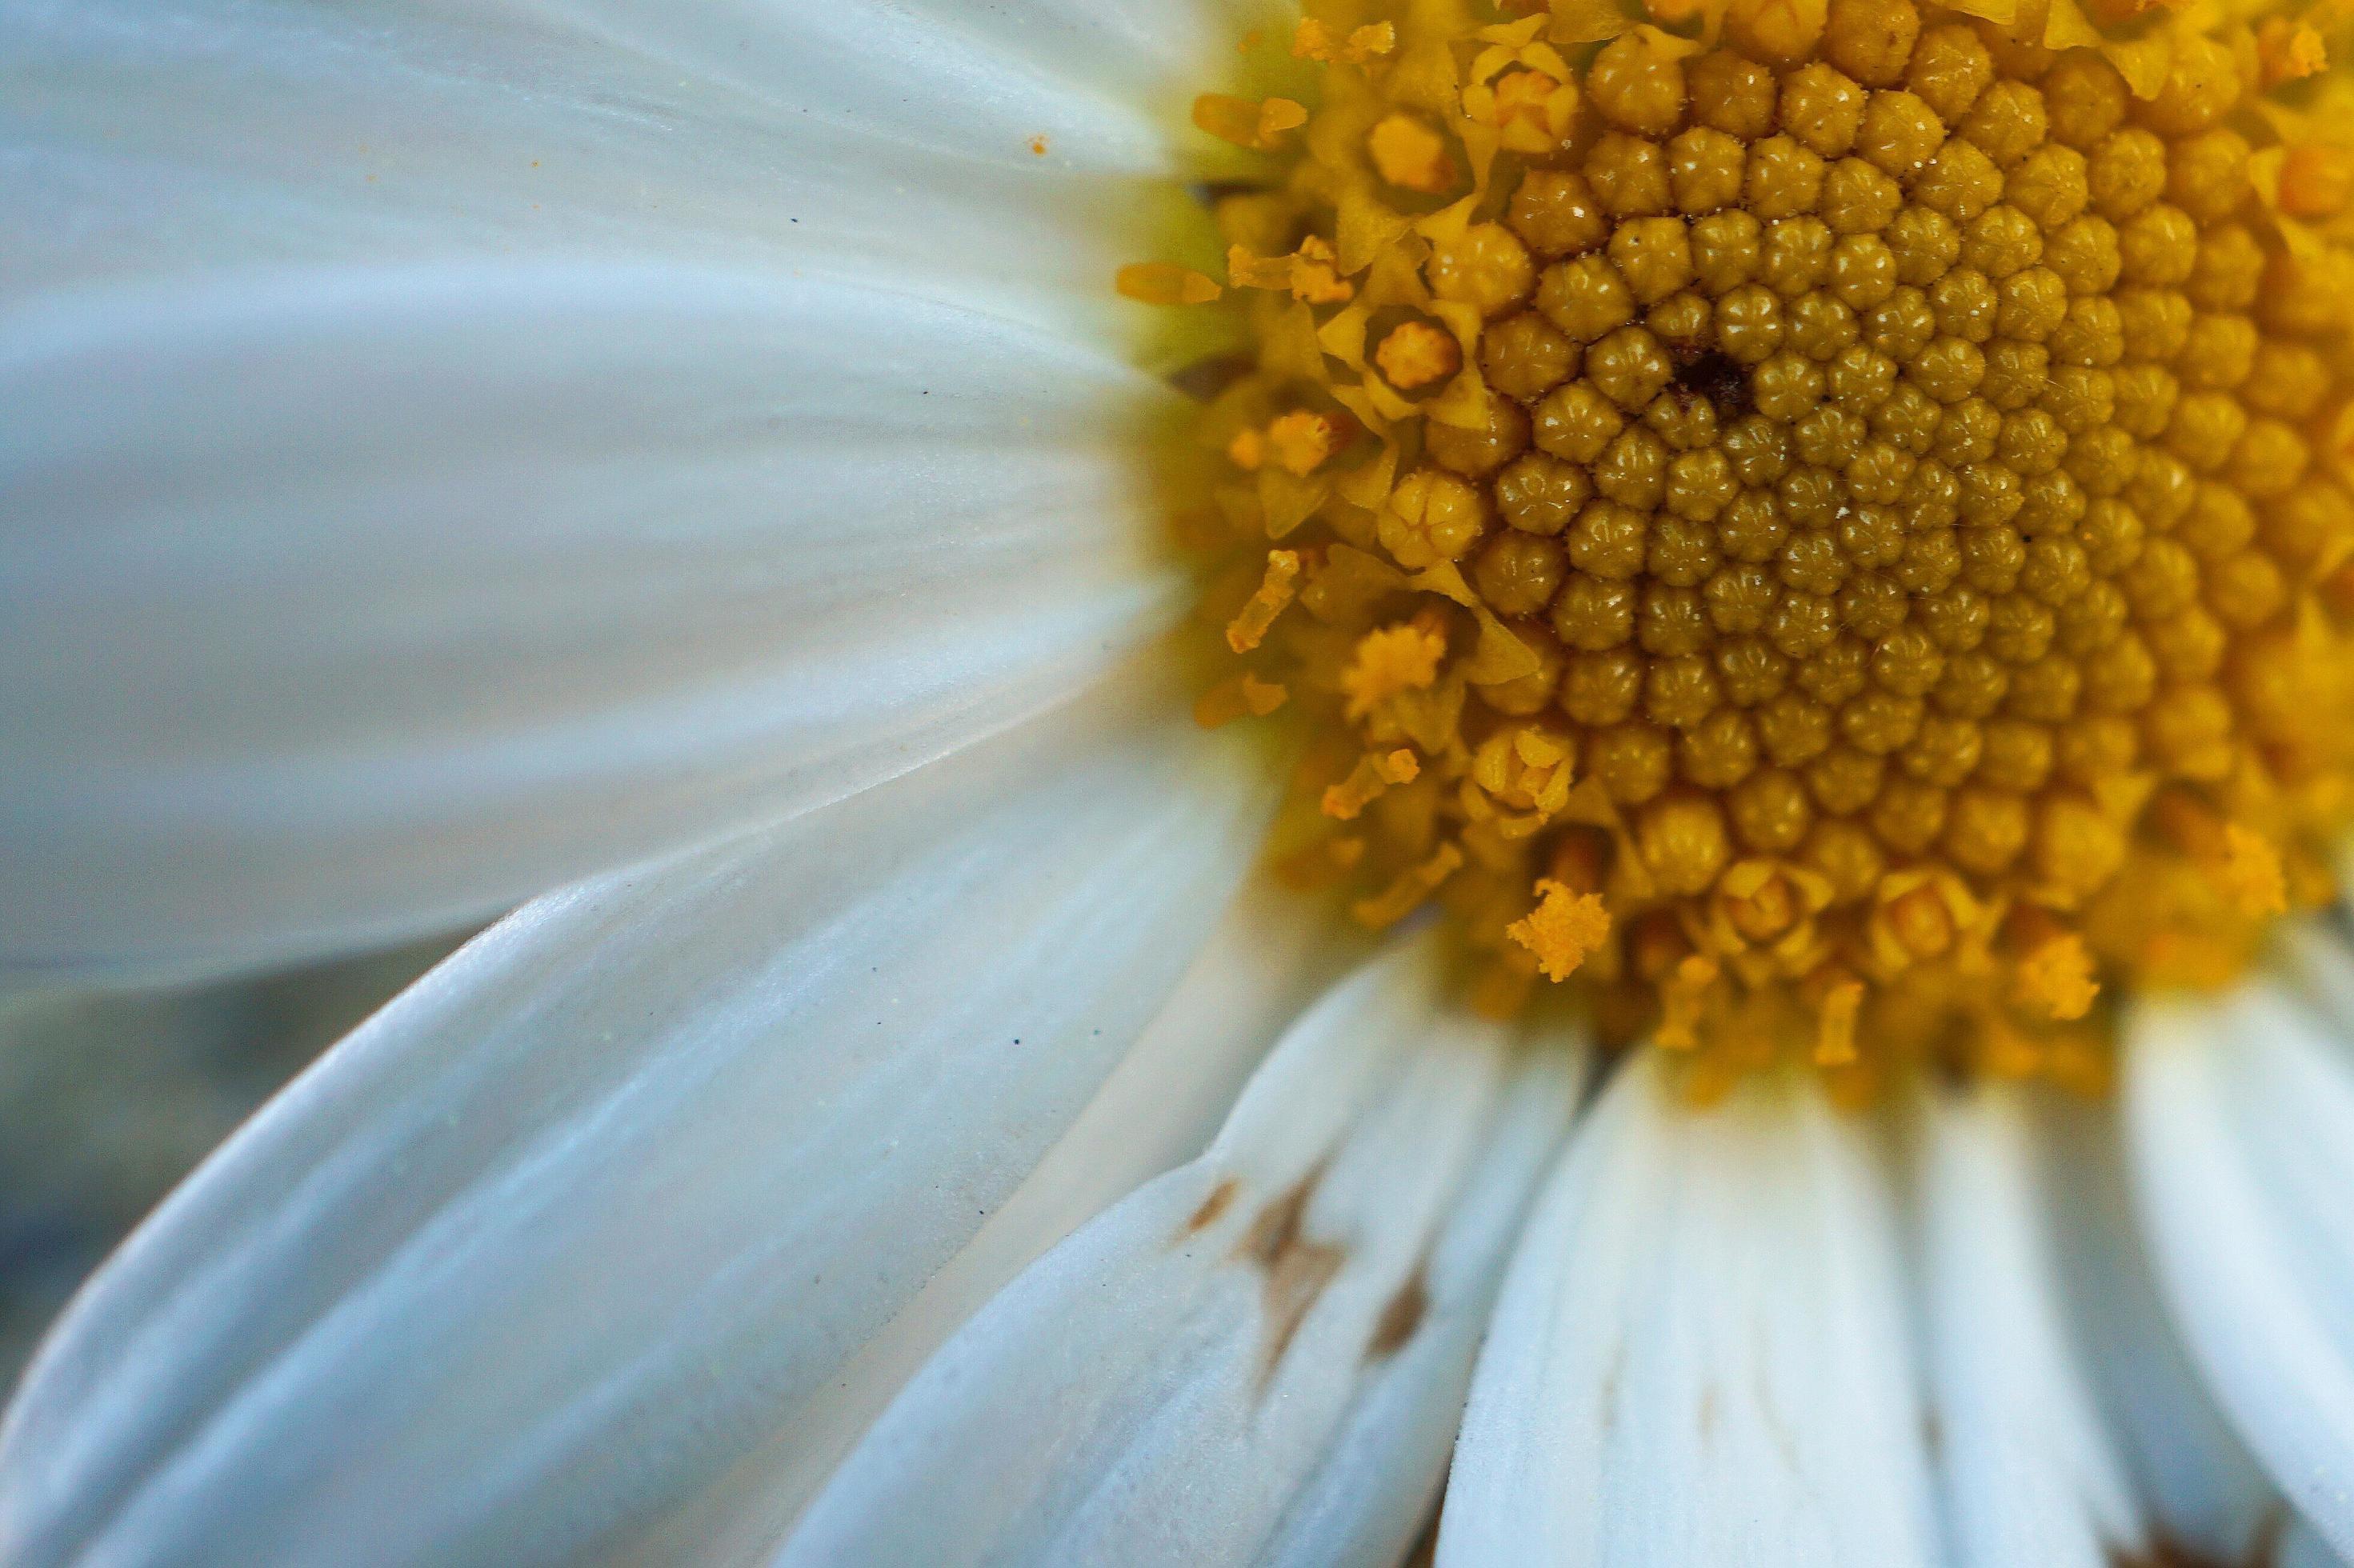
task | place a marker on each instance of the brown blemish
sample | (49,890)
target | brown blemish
(1297,1268)
(1400,1318)
(2263,1551)
(1221,1199)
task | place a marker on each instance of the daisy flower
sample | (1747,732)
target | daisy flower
(1549,783)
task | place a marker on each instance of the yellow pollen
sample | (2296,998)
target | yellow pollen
(1314,41)
(1244,695)
(1166,283)
(1394,659)
(2055,978)
(1374,772)
(1823,529)
(2288,51)
(1562,929)
(1248,630)
(1405,896)
(1416,354)
(1246,121)
(1410,155)
(2251,871)
(1835,1027)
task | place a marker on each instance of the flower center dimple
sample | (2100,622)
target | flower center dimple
(1829,525)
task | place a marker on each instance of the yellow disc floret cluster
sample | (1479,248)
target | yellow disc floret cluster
(1827,524)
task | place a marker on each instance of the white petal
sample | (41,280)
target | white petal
(591,1213)
(2302,1547)
(343,609)
(1700,1354)
(2196,1484)
(1269,956)
(2026,1467)
(1257,1357)
(2240,1116)
(945,148)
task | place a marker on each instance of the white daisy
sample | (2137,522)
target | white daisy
(1823,526)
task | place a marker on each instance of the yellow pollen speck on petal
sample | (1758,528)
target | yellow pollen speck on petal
(1563,929)
(1374,774)
(1165,283)
(1416,354)
(1392,660)
(1243,696)
(1275,591)
(1409,155)
(2056,980)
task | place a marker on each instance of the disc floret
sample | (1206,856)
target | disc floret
(1825,527)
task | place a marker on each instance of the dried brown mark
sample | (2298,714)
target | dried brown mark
(1221,1199)
(1400,1318)
(1297,1268)
(2263,1551)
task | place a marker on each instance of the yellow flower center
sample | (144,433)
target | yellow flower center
(1825,528)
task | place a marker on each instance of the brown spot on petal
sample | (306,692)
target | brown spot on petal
(2263,1551)
(1297,1268)
(1400,1318)
(1221,1199)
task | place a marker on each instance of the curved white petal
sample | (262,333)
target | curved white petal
(2302,1547)
(2199,1489)
(1257,1357)
(2025,1466)
(1011,154)
(2241,1117)
(1267,958)
(1700,1354)
(344,609)
(593,1210)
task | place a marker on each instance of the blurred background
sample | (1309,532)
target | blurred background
(106,1101)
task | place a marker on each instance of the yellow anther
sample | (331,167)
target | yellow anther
(2249,871)
(1309,272)
(2317,181)
(1249,629)
(1315,41)
(1530,110)
(1165,283)
(1394,659)
(1300,440)
(1409,155)
(1683,1001)
(1835,1024)
(1416,354)
(2289,51)
(2055,980)
(1244,695)
(1249,122)
(1374,773)
(1563,929)
(1403,896)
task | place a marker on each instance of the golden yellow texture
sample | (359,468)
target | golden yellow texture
(1825,527)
